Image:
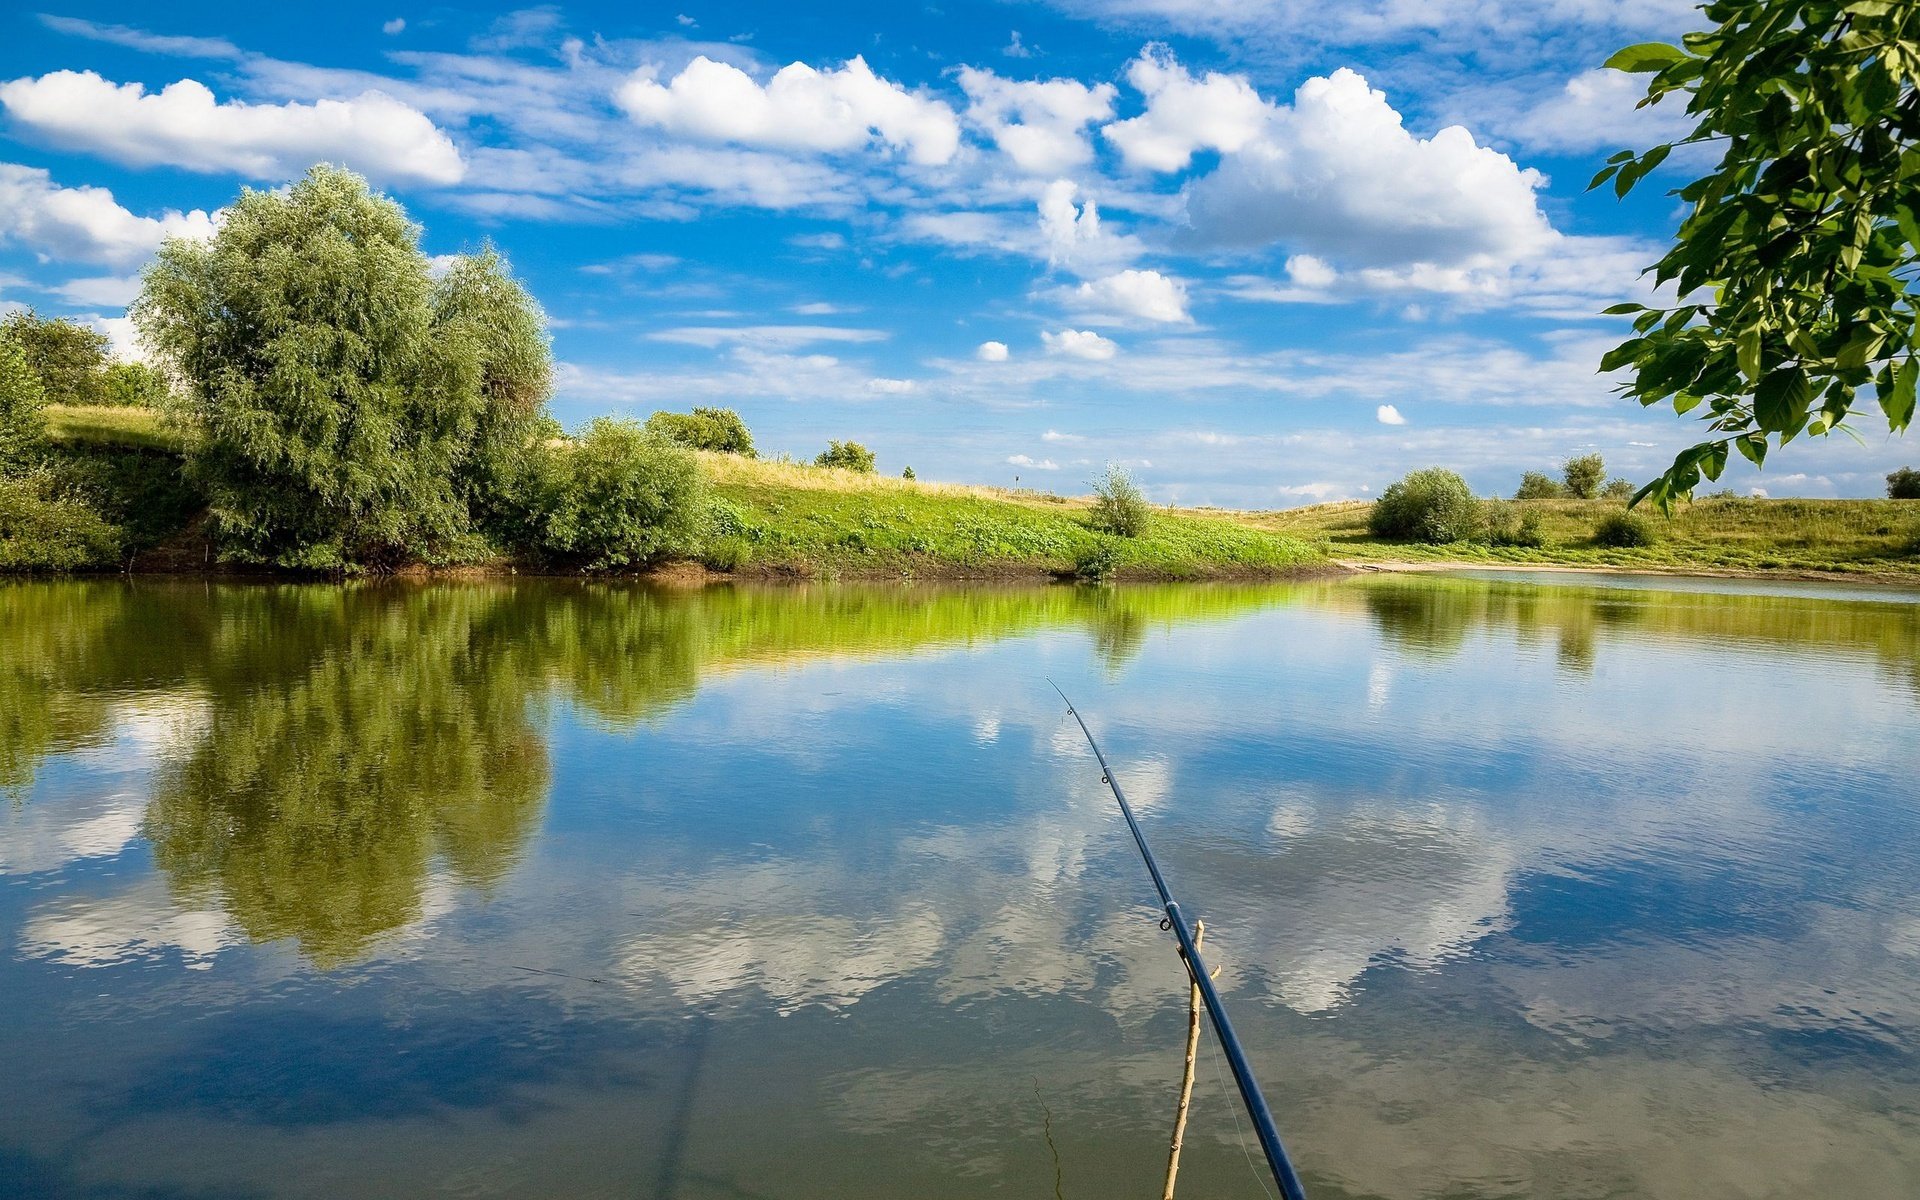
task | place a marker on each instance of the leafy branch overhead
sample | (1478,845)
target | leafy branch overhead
(1795,265)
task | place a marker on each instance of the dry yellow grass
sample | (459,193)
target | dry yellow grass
(733,470)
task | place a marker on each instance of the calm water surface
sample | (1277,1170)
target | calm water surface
(1521,889)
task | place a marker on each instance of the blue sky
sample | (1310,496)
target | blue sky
(1262,252)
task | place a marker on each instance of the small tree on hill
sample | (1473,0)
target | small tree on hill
(1537,485)
(70,359)
(848,456)
(717,429)
(1617,489)
(1583,476)
(1118,506)
(1904,484)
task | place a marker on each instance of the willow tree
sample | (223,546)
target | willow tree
(343,409)
(1795,264)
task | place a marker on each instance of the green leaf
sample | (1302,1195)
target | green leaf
(1646,56)
(1753,447)
(1621,310)
(1781,399)
(1748,350)
(1898,403)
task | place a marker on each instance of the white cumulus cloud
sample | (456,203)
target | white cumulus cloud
(1080,343)
(1040,464)
(1039,124)
(890,387)
(183,125)
(84,224)
(1337,176)
(1387,414)
(1072,234)
(1134,295)
(991,352)
(1184,114)
(800,108)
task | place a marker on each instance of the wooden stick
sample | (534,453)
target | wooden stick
(1186,1079)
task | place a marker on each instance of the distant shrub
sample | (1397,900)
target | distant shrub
(717,429)
(1506,525)
(618,496)
(43,530)
(727,553)
(1904,484)
(1618,489)
(133,385)
(1537,485)
(1583,475)
(1721,494)
(1434,506)
(848,456)
(1625,530)
(1098,561)
(68,358)
(1118,506)
(907,473)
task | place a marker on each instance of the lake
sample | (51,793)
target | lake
(1549,886)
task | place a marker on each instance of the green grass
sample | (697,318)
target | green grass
(783,517)
(105,426)
(1877,537)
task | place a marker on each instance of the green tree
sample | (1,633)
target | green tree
(1904,484)
(1538,485)
(1617,489)
(1434,506)
(1794,265)
(70,359)
(23,418)
(619,496)
(343,409)
(907,473)
(493,339)
(718,429)
(848,456)
(1583,476)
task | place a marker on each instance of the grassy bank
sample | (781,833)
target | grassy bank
(783,518)
(766,519)
(1853,537)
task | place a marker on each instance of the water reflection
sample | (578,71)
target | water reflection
(545,889)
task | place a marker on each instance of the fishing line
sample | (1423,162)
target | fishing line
(1238,1131)
(1250,1094)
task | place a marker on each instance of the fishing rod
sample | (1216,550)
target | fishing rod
(1277,1160)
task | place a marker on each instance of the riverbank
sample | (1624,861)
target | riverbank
(766,520)
(1862,541)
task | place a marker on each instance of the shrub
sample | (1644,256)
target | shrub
(1118,506)
(23,417)
(1508,526)
(618,496)
(848,456)
(1434,506)
(1617,489)
(133,385)
(1536,485)
(1098,561)
(907,473)
(43,530)
(1904,484)
(718,429)
(1583,476)
(1625,530)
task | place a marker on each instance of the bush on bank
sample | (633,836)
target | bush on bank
(1434,506)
